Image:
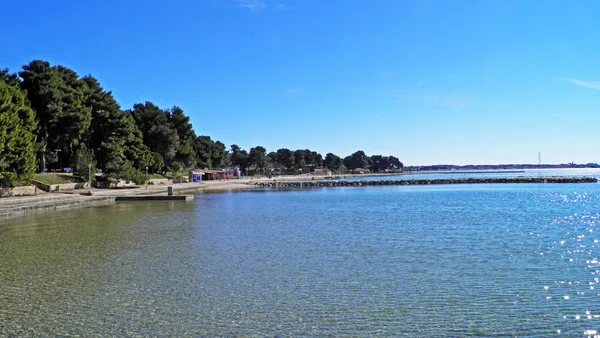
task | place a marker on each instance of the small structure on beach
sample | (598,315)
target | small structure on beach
(195,175)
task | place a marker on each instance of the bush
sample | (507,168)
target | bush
(124,170)
(83,158)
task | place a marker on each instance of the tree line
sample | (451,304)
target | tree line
(51,118)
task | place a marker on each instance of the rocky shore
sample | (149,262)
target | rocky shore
(356,183)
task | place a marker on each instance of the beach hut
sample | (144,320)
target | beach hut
(195,175)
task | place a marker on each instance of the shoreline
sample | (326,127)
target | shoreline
(43,202)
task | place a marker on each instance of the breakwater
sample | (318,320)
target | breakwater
(348,183)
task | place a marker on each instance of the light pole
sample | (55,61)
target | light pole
(146,177)
(90,174)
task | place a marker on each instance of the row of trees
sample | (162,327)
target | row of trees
(52,118)
(290,161)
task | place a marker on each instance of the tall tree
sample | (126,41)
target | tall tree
(57,96)
(332,162)
(75,116)
(17,138)
(285,158)
(204,147)
(238,157)
(299,159)
(219,155)
(258,157)
(41,83)
(111,129)
(157,130)
(11,79)
(357,160)
(186,153)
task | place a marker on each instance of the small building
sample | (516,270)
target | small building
(195,175)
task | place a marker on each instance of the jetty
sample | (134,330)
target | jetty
(440,181)
(154,198)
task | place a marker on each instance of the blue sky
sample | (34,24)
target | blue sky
(457,82)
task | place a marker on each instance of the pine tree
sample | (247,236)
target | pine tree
(17,140)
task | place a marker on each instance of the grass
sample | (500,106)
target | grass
(54,178)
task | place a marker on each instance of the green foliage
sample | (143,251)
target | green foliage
(357,160)
(17,139)
(74,119)
(285,158)
(157,130)
(258,157)
(382,163)
(219,155)
(123,170)
(299,161)
(332,162)
(81,164)
(11,79)
(57,96)
(239,157)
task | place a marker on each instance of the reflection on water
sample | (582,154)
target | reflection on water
(392,261)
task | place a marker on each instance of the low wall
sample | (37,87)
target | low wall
(28,190)
(113,184)
(160,181)
(60,187)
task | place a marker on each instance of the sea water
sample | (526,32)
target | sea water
(453,260)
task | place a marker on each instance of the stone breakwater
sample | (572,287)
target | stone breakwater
(350,183)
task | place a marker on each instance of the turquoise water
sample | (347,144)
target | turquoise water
(454,260)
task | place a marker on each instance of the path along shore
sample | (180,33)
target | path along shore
(81,197)
(59,200)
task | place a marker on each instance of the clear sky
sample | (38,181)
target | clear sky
(454,82)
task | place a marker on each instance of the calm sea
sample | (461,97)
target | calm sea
(454,260)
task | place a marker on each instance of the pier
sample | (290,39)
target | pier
(154,198)
(444,181)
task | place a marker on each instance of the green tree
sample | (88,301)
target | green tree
(185,153)
(11,79)
(81,164)
(157,130)
(332,162)
(299,159)
(111,124)
(357,160)
(204,147)
(238,157)
(272,158)
(219,156)
(285,158)
(57,96)
(258,157)
(177,171)
(17,138)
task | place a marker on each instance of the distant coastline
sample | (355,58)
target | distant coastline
(487,167)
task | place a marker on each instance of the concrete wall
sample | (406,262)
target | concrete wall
(118,184)
(60,187)
(159,181)
(28,190)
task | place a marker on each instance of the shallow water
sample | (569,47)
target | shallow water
(456,260)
